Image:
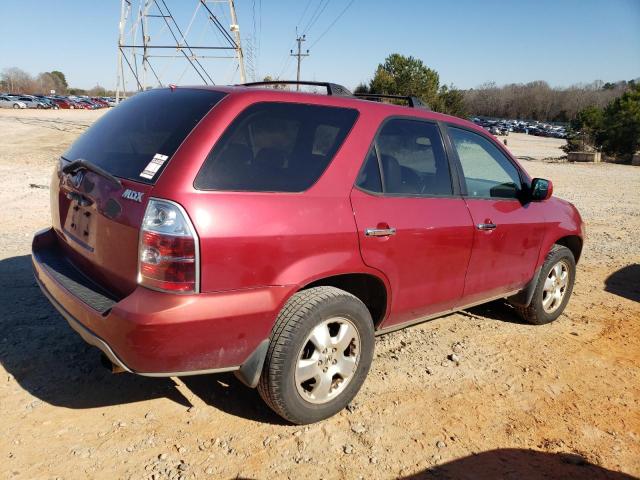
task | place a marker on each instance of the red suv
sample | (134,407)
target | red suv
(275,234)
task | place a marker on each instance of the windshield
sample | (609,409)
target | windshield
(137,138)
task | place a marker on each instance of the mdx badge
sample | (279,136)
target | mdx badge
(132,195)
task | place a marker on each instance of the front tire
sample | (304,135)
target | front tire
(554,288)
(320,352)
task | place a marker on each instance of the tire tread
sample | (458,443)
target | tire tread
(532,312)
(290,318)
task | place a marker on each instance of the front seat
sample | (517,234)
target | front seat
(398,179)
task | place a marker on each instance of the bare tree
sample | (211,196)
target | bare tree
(538,101)
(17,81)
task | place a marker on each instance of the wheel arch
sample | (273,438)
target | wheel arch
(368,288)
(573,243)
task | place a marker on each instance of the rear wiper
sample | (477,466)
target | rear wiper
(87,165)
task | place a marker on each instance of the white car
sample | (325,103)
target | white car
(7,102)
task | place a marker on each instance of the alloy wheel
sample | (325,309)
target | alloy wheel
(555,286)
(328,360)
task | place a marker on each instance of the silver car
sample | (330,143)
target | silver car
(7,102)
(32,102)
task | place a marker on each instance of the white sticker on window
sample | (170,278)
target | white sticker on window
(153,166)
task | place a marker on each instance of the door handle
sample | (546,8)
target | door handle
(380,232)
(487,226)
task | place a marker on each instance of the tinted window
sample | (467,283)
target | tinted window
(487,171)
(276,147)
(413,158)
(127,138)
(369,176)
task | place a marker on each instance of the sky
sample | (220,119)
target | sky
(468,42)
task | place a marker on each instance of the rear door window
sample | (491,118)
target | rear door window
(276,147)
(148,125)
(412,160)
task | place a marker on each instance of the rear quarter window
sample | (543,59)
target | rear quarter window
(276,147)
(127,138)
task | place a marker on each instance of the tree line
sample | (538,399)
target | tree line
(15,80)
(603,116)
(538,101)
(406,75)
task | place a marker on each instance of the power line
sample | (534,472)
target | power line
(315,16)
(333,23)
(287,58)
(304,11)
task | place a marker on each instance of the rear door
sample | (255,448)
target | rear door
(97,212)
(412,225)
(508,231)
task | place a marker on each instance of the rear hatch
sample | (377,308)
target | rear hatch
(104,180)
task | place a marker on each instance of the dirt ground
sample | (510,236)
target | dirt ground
(554,401)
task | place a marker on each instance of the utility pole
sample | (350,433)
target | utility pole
(236,30)
(301,39)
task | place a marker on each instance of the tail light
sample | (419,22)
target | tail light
(168,254)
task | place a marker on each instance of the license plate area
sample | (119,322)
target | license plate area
(79,226)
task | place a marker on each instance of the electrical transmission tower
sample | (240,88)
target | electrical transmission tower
(156,46)
(299,55)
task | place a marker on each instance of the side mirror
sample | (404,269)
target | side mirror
(541,189)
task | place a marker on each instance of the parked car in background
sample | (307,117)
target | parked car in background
(33,102)
(89,104)
(505,126)
(75,103)
(47,101)
(62,103)
(275,233)
(8,102)
(101,102)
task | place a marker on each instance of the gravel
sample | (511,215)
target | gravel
(559,391)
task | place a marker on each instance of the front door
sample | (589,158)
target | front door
(507,231)
(411,225)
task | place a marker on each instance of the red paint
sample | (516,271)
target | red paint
(426,260)
(258,249)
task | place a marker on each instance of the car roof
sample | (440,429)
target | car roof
(360,104)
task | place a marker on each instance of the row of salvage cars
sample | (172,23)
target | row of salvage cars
(56,102)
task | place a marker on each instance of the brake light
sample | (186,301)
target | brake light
(168,254)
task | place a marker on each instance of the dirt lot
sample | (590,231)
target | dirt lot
(561,401)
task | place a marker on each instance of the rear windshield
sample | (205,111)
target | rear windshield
(276,147)
(136,139)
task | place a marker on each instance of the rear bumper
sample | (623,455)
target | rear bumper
(159,334)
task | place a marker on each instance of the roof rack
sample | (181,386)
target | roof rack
(413,102)
(332,88)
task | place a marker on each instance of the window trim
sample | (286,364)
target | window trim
(453,173)
(271,102)
(524,183)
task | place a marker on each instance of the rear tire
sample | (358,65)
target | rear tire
(320,352)
(15,105)
(554,288)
